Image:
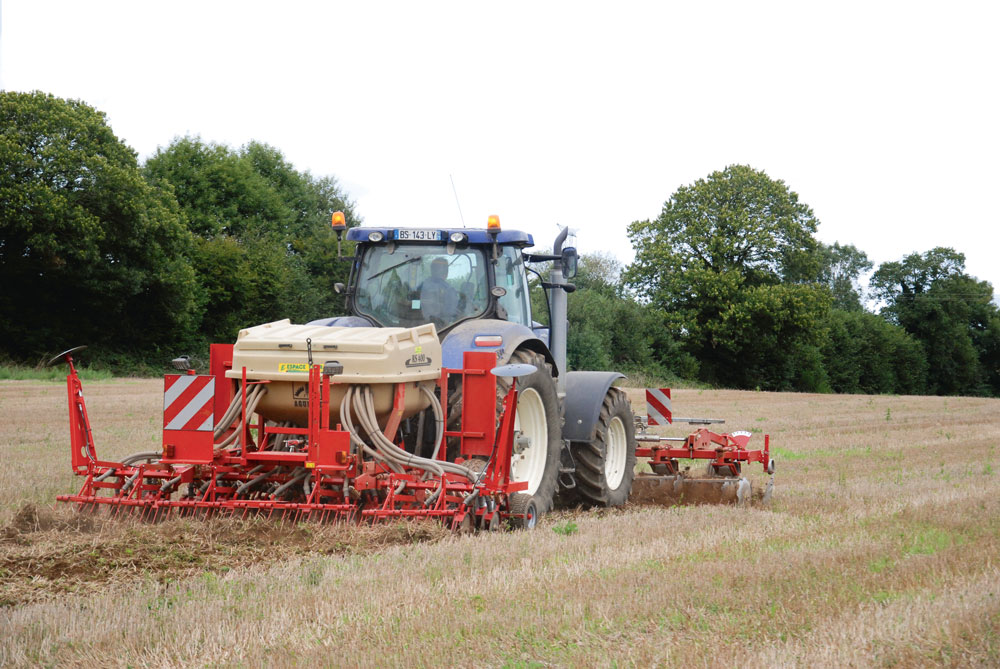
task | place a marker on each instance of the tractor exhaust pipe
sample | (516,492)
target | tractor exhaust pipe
(557,298)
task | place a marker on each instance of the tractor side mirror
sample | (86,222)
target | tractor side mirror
(338,288)
(569,262)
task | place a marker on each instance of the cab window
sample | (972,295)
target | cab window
(510,275)
(421,284)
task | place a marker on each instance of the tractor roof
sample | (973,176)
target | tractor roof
(441,235)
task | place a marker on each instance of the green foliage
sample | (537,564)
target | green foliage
(893,282)
(91,253)
(728,284)
(840,269)
(565,529)
(141,263)
(264,246)
(863,353)
(950,313)
(597,338)
(738,221)
(14,372)
(726,263)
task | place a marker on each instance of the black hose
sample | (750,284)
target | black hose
(290,483)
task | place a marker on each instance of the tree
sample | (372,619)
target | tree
(727,262)
(952,315)
(89,252)
(895,281)
(863,353)
(601,272)
(840,269)
(596,338)
(264,246)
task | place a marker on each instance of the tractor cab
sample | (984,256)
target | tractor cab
(407,277)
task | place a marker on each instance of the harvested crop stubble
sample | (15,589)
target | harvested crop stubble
(882,548)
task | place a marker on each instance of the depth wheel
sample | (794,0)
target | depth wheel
(526,507)
(605,468)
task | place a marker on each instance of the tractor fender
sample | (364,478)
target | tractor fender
(343,322)
(585,393)
(462,338)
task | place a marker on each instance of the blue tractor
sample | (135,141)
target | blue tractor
(575,439)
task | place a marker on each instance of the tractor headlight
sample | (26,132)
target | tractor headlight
(375,236)
(457,237)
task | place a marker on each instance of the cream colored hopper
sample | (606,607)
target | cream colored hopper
(380,357)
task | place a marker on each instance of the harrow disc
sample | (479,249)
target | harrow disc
(681,489)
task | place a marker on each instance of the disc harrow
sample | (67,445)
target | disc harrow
(721,480)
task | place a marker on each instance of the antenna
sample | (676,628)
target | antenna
(459,204)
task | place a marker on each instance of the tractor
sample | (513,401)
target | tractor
(575,439)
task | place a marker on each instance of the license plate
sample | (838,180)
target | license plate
(418,235)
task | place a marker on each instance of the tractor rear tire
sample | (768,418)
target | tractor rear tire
(539,412)
(605,468)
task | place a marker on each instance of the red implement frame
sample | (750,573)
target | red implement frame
(726,452)
(321,476)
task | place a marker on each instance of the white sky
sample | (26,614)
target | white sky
(882,116)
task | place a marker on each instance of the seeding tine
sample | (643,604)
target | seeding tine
(743,491)
(768,490)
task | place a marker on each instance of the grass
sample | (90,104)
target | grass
(879,550)
(58,373)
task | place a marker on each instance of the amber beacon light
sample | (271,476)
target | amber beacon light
(338,221)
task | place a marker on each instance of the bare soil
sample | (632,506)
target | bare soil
(47,552)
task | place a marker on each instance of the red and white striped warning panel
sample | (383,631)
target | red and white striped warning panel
(188,402)
(658,406)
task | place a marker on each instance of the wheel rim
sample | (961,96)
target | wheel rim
(617,449)
(531,422)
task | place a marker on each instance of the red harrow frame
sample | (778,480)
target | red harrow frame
(322,475)
(725,455)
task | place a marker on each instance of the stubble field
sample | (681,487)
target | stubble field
(881,548)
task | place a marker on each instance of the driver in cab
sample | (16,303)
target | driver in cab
(438,298)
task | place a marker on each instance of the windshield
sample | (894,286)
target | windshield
(421,284)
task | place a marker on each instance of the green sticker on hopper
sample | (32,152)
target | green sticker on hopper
(294,367)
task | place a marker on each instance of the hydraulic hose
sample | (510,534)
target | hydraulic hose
(130,482)
(392,450)
(247,485)
(438,420)
(370,424)
(253,399)
(291,482)
(227,418)
(346,421)
(169,484)
(144,455)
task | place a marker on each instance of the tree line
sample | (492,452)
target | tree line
(142,261)
(729,285)
(732,276)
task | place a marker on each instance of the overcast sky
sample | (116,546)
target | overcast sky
(883,117)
